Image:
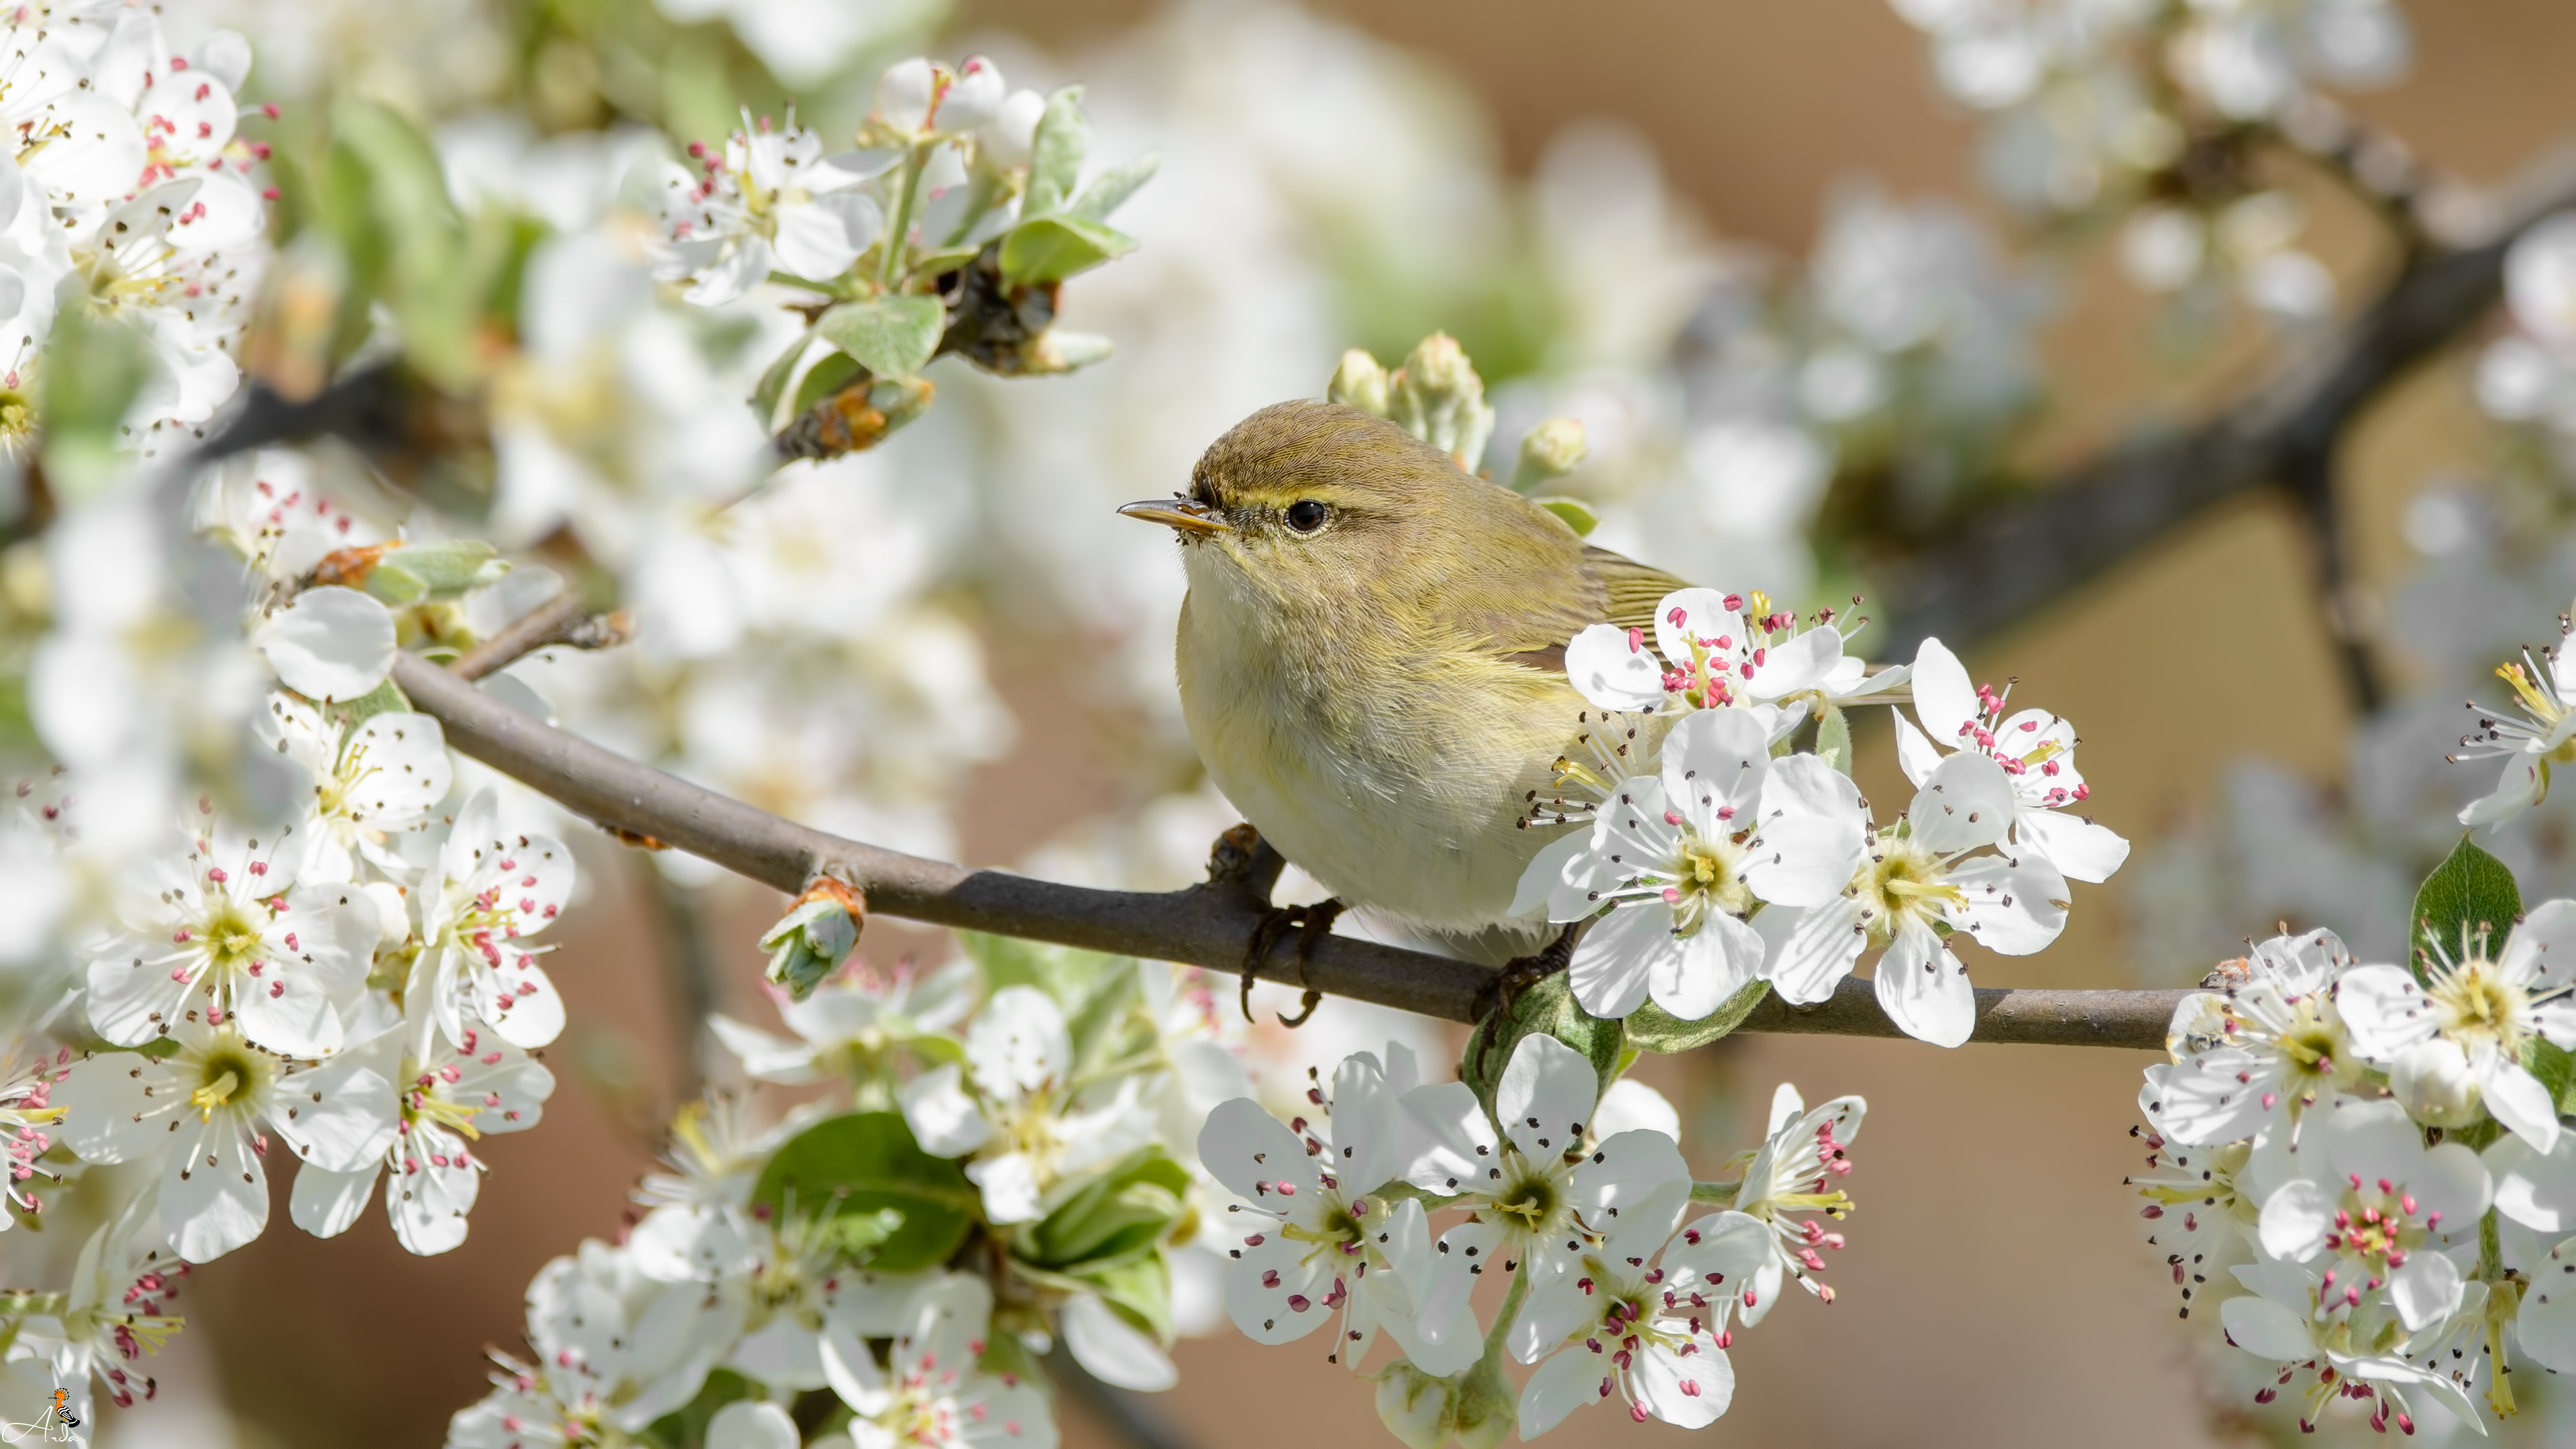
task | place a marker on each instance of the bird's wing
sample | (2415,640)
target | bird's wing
(1622,592)
(1634,589)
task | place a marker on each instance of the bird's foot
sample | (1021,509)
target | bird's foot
(1523,972)
(1312,924)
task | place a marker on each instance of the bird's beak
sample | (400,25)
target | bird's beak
(1179,513)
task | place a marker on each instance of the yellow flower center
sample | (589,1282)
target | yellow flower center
(2477,1005)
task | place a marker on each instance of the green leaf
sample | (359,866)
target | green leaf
(2556,1070)
(410,573)
(383,699)
(1547,1008)
(1055,158)
(1577,517)
(867,1161)
(1651,1028)
(890,336)
(686,1427)
(2472,892)
(775,377)
(830,373)
(1122,1211)
(1139,1288)
(1833,739)
(1052,248)
(1110,189)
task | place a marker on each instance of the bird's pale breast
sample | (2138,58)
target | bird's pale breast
(1404,799)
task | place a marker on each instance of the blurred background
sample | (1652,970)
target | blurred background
(1820,279)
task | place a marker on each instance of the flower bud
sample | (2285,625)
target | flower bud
(1438,398)
(905,95)
(973,100)
(2434,1085)
(1359,383)
(1414,1406)
(1551,450)
(812,940)
(1010,138)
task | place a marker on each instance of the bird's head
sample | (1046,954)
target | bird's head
(1316,506)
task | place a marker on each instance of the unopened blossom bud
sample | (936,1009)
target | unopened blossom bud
(973,100)
(812,940)
(1010,138)
(905,95)
(2435,1088)
(1359,383)
(1414,1406)
(1551,450)
(1438,398)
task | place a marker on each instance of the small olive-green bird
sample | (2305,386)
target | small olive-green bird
(1372,660)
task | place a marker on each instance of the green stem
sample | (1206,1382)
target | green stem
(907,191)
(979,199)
(1717,1194)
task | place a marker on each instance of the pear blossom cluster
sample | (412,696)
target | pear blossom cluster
(259,909)
(2364,1166)
(989,1169)
(1737,855)
(1620,1285)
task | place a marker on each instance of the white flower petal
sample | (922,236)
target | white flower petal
(2425,1291)
(1811,950)
(2385,1010)
(329,643)
(1267,1281)
(1915,754)
(1545,1096)
(1613,674)
(2535,1189)
(1114,1351)
(2200,1101)
(1255,1155)
(2266,1329)
(1967,801)
(2083,850)
(325,1203)
(1620,954)
(1563,1384)
(1691,1389)
(944,1119)
(1631,1105)
(2295,1221)
(1945,698)
(1924,989)
(2517,1100)
(214,1197)
(752,1424)
(1018,1044)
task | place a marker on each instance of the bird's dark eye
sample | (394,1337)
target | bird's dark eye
(1306,515)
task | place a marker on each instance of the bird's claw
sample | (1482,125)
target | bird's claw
(1521,973)
(1312,924)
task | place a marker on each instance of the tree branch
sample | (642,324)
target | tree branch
(1206,925)
(2000,565)
(562,619)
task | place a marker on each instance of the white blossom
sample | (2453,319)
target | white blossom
(1926,877)
(204,1114)
(1539,1202)
(227,935)
(2463,1027)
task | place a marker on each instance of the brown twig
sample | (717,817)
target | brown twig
(1205,925)
(559,620)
